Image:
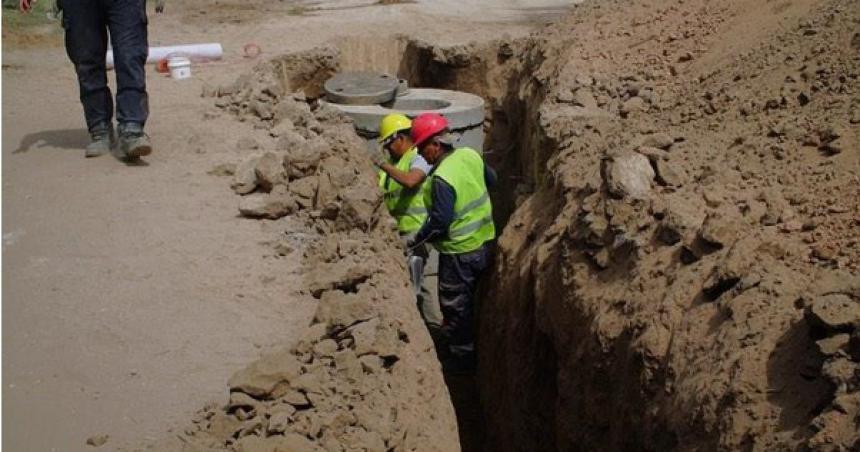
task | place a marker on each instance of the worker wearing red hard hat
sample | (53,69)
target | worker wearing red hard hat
(460,226)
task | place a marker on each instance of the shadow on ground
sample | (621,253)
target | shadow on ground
(65,139)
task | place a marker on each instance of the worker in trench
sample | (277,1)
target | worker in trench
(402,173)
(460,226)
(87,24)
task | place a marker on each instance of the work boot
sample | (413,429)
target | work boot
(103,139)
(133,143)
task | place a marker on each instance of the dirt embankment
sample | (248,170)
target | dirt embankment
(364,376)
(685,275)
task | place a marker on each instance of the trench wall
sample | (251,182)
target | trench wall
(656,290)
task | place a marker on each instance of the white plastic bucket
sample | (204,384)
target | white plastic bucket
(204,52)
(180,67)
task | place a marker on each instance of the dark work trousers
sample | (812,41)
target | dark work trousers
(87,23)
(458,282)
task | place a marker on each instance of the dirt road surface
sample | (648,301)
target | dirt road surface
(133,292)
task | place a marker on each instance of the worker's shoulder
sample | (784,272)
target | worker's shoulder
(469,154)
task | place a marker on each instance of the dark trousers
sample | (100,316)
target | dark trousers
(87,23)
(458,282)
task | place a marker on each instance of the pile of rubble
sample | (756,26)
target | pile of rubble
(364,375)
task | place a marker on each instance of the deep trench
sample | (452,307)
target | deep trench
(509,147)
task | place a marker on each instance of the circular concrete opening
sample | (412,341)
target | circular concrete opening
(368,97)
(420,104)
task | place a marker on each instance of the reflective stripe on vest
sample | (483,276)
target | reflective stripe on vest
(473,225)
(406,206)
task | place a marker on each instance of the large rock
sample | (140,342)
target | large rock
(628,175)
(272,205)
(681,222)
(833,345)
(658,140)
(245,177)
(584,98)
(267,378)
(719,231)
(364,336)
(296,398)
(340,275)
(357,210)
(834,314)
(294,111)
(303,161)
(339,172)
(338,309)
(262,110)
(632,106)
(241,400)
(669,173)
(304,191)
(270,171)
(653,154)
(289,140)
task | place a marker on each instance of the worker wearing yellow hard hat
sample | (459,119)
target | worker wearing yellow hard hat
(402,173)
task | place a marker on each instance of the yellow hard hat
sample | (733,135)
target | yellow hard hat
(392,124)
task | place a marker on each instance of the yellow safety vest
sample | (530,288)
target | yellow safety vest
(407,206)
(473,224)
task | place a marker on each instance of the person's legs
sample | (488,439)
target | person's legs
(427,304)
(128,30)
(458,281)
(86,44)
(127,22)
(429,296)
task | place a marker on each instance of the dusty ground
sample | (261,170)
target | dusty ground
(133,292)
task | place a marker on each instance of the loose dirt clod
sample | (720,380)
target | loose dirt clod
(98,440)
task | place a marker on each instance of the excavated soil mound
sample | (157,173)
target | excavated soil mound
(364,376)
(686,273)
(680,262)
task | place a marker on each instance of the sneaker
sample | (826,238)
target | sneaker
(133,143)
(103,139)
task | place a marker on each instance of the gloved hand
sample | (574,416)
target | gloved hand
(414,248)
(159,6)
(420,250)
(378,158)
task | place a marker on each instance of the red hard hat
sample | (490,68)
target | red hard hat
(426,125)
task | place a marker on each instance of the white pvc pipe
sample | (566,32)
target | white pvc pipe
(209,51)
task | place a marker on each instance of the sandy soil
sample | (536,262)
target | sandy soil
(684,274)
(133,292)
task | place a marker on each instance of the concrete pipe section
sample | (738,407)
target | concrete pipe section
(368,97)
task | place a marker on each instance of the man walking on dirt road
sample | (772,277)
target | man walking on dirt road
(401,178)
(460,226)
(87,24)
